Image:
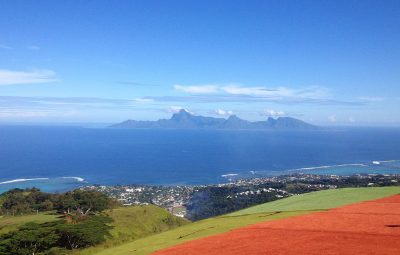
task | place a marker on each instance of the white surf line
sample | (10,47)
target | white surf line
(388,161)
(228,175)
(325,167)
(23,180)
(79,179)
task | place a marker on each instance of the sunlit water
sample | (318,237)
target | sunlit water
(117,156)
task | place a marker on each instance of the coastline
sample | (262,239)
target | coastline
(202,201)
(66,183)
(196,202)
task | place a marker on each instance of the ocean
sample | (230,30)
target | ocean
(62,158)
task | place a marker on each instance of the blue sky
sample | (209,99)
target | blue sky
(326,62)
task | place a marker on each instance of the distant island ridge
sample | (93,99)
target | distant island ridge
(185,120)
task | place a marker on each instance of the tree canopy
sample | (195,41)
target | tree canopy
(33,238)
(80,202)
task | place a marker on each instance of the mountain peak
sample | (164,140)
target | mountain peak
(186,120)
(233,117)
(181,114)
(183,111)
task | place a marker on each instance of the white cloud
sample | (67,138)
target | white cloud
(33,47)
(9,77)
(332,118)
(5,47)
(176,109)
(351,119)
(273,113)
(278,93)
(257,91)
(144,100)
(200,89)
(371,99)
(27,114)
(221,112)
(273,93)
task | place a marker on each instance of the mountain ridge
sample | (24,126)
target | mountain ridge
(185,120)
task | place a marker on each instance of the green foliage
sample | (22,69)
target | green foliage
(86,233)
(50,237)
(212,201)
(83,202)
(31,238)
(80,202)
(19,201)
(135,222)
(109,229)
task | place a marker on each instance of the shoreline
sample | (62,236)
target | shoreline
(196,201)
(65,183)
(184,200)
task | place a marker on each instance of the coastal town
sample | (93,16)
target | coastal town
(177,199)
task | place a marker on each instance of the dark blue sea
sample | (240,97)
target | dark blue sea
(63,158)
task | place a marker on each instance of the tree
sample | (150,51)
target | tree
(53,237)
(31,238)
(18,201)
(66,203)
(83,202)
(91,231)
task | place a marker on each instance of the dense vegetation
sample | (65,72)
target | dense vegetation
(81,223)
(25,201)
(135,222)
(33,238)
(212,201)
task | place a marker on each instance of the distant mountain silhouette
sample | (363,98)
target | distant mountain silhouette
(186,120)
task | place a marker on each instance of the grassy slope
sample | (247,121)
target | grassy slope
(11,223)
(192,231)
(322,200)
(129,223)
(287,207)
(134,222)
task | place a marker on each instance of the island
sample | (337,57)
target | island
(186,120)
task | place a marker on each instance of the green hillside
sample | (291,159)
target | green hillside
(135,222)
(11,223)
(191,231)
(321,200)
(144,229)
(129,223)
(279,209)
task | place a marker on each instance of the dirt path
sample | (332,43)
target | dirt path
(366,228)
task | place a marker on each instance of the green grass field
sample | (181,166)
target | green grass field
(192,231)
(11,223)
(287,207)
(133,222)
(322,200)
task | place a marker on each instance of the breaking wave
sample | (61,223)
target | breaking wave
(76,178)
